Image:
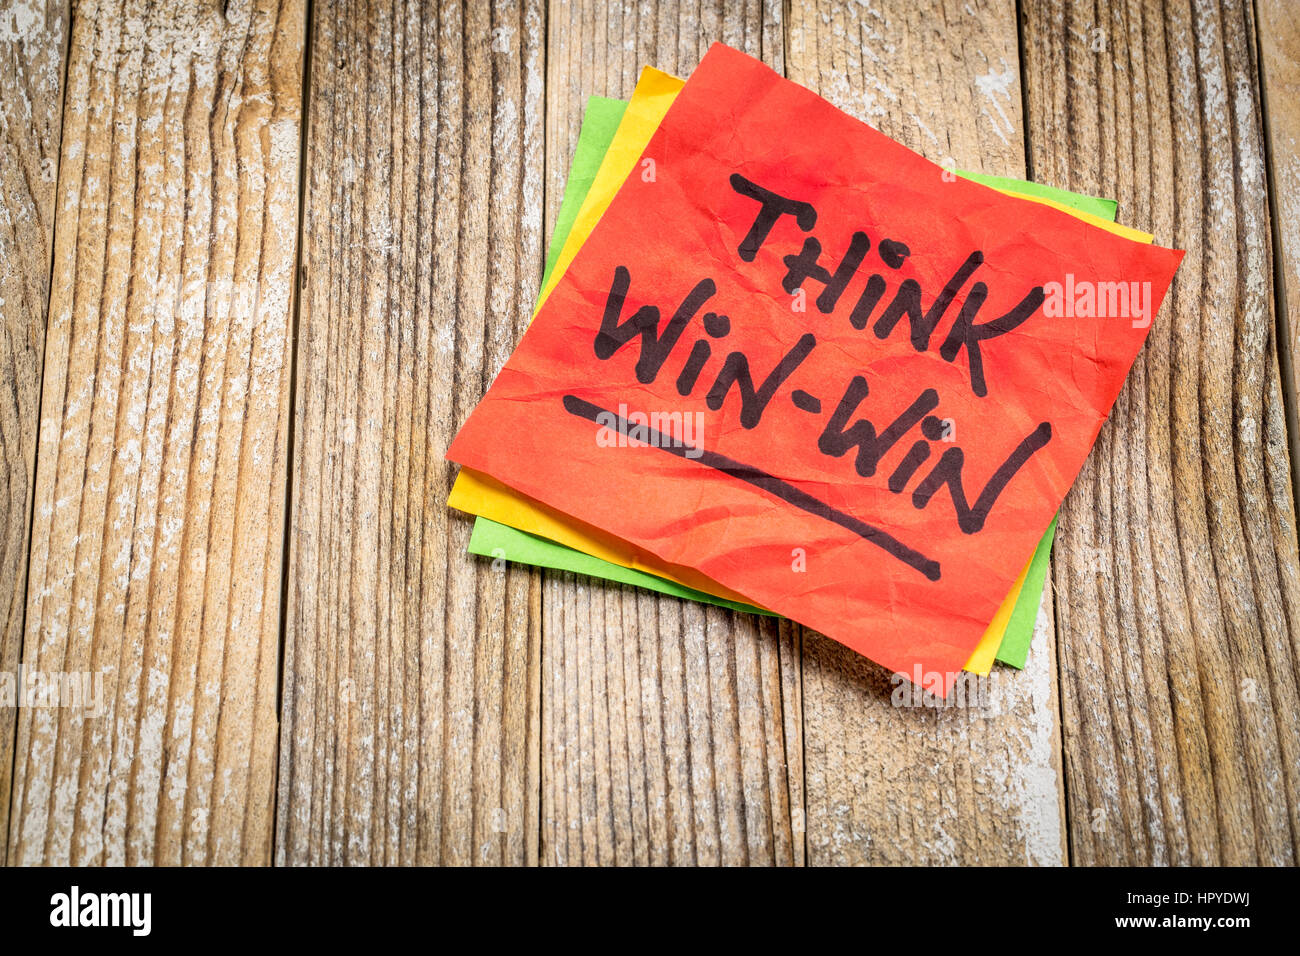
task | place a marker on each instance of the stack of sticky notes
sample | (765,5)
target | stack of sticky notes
(782,364)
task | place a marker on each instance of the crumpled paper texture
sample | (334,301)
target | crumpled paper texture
(685,224)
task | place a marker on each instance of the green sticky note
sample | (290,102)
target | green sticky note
(1102,208)
(1020,627)
(495,540)
(599,125)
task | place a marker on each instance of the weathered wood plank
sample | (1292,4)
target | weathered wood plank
(33,43)
(1177,578)
(1279,48)
(409,715)
(157,537)
(670,731)
(979,783)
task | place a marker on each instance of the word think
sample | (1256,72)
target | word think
(870,441)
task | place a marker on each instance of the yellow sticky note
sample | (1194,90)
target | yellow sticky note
(981,662)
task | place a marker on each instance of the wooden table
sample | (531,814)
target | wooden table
(256,267)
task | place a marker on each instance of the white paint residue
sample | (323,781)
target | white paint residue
(1036,779)
(997,86)
(22,21)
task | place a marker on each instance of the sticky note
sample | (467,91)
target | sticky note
(649,103)
(908,546)
(599,124)
(1008,635)
(498,541)
(1014,646)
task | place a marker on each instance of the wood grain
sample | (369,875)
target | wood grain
(157,538)
(33,43)
(1279,69)
(438,709)
(979,783)
(670,730)
(410,700)
(1177,580)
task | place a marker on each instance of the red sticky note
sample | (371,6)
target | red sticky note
(796,356)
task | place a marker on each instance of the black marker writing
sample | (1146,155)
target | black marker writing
(805,266)
(655,347)
(845,430)
(760,479)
